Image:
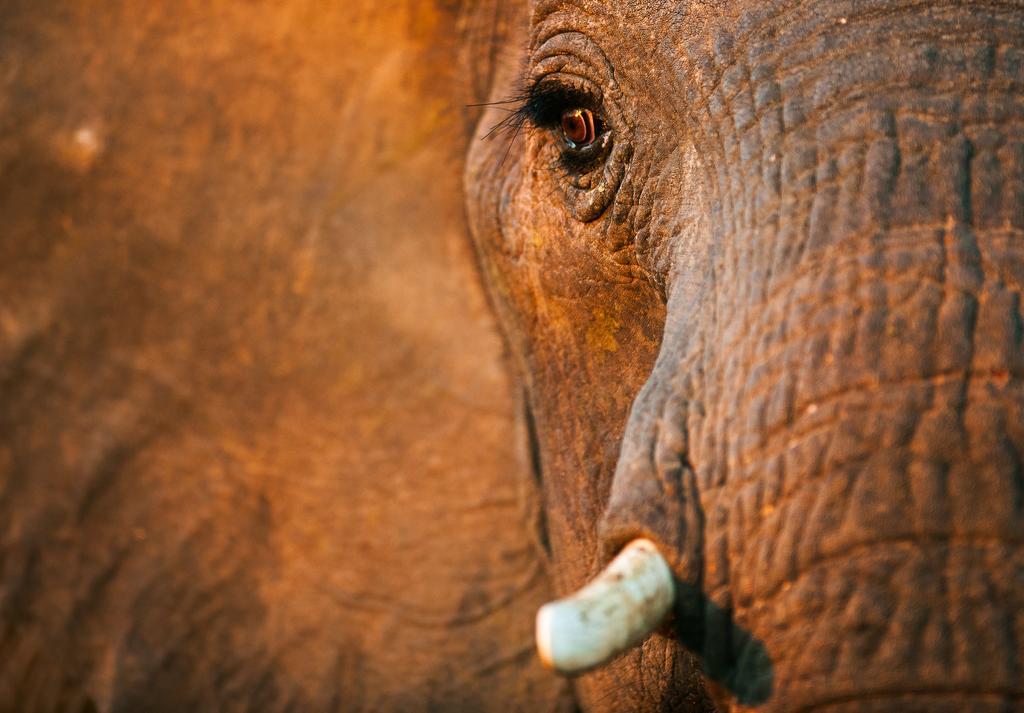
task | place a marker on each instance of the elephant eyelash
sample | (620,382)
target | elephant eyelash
(541,106)
(545,102)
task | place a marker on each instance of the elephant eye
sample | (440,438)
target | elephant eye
(566,112)
(575,122)
(579,129)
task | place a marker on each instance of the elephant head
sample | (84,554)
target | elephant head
(759,265)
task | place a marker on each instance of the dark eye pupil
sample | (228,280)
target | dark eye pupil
(578,127)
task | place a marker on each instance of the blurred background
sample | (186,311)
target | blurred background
(259,446)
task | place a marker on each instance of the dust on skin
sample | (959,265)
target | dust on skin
(601,331)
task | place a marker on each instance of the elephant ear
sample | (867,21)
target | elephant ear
(258,441)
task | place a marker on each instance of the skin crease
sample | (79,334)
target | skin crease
(777,329)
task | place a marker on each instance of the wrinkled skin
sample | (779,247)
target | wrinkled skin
(258,444)
(777,329)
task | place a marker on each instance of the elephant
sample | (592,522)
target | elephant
(338,338)
(755,264)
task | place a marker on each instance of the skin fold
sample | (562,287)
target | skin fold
(775,326)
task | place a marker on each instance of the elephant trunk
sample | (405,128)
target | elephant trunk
(859,469)
(829,450)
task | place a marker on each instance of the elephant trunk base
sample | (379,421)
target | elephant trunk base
(869,523)
(856,455)
(867,520)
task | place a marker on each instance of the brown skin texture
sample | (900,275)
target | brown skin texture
(777,328)
(259,449)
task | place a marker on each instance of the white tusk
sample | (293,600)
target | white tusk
(616,611)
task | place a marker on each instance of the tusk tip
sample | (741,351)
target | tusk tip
(544,637)
(617,610)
